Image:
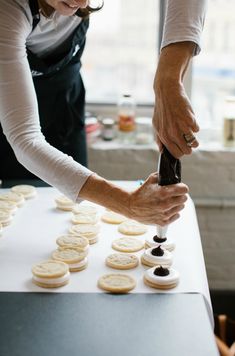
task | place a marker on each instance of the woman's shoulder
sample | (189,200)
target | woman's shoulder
(16,14)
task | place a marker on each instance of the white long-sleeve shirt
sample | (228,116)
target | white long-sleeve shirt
(18,104)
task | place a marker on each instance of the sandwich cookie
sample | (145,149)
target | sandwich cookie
(76,260)
(161,278)
(28,191)
(82,218)
(64,203)
(16,198)
(156,241)
(127,244)
(132,227)
(122,261)
(8,206)
(87,230)
(73,242)
(156,256)
(51,274)
(117,283)
(111,217)
(5,218)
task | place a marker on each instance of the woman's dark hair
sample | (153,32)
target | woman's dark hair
(88,10)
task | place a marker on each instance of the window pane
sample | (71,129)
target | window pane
(214,68)
(121,51)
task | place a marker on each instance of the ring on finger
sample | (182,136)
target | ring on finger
(189,139)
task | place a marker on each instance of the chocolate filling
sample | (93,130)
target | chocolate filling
(159,239)
(158,251)
(161,271)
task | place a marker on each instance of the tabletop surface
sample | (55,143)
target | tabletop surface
(138,324)
(104,324)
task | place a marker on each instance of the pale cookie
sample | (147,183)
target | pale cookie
(154,256)
(85,209)
(87,230)
(156,241)
(132,227)
(76,260)
(64,203)
(18,199)
(161,278)
(73,242)
(111,217)
(5,218)
(82,218)
(122,261)
(28,191)
(128,244)
(8,206)
(116,283)
(51,274)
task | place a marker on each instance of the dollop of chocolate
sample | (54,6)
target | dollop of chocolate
(158,251)
(161,271)
(159,239)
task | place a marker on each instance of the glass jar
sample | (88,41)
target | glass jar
(108,129)
(144,131)
(126,119)
(229,122)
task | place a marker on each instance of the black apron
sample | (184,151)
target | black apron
(61,102)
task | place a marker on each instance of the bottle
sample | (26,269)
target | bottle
(108,129)
(126,119)
(229,122)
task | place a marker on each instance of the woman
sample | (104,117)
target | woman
(41,43)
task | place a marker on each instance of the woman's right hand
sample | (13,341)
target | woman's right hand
(154,204)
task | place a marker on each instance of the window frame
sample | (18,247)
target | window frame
(109,109)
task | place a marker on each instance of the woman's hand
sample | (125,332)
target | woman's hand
(153,204)
(173,115)
(149,203)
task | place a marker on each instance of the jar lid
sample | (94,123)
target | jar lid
(142,120)
(108,121)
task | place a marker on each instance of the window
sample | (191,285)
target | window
(121,51)
(214,68)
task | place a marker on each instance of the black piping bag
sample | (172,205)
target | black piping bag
(169,172)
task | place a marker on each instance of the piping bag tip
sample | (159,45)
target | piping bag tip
(161,230)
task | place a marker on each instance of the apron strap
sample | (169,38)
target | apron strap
(33,4)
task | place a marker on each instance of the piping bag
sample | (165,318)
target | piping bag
(169,171)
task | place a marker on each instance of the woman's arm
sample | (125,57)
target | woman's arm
(173,114)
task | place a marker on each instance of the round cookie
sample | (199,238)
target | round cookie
(161,278)
(50,274)
(122,261)
(82,218)
(156,241)
(88,230)
(73,242)
(156,256)
(127,244)
(18,199)
(111,217)
(5,218)
(64,203)
(76,260)
(117,283)
(28,191)
(8,206)
(85,209)
(132,227)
